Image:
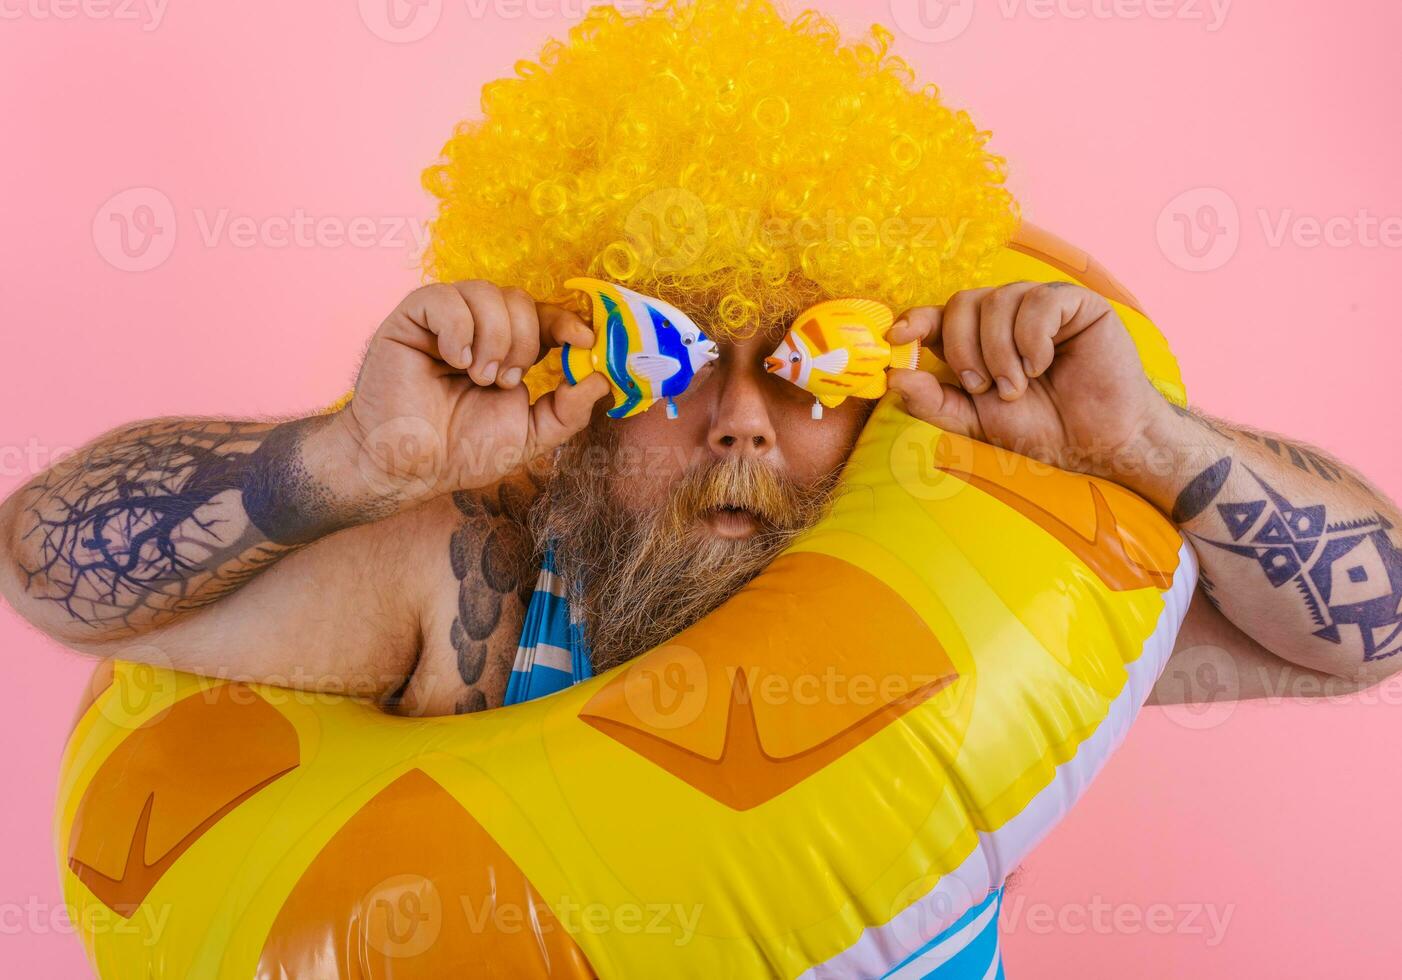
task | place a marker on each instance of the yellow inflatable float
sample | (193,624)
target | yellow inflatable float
(812,781)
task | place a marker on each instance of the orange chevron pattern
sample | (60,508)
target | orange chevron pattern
(415,887)
(1076,510)
(168,783)
(738,726)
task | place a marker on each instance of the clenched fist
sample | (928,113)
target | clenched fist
(439,405)
(1046,369)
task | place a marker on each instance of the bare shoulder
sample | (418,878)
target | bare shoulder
(480,566)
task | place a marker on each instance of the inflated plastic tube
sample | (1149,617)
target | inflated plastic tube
(812,781)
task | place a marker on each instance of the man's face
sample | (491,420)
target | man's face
(660,520)
(735,410)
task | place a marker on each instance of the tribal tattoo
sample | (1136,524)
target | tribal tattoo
(165,518)
(1348,572)
(1303,458)
(491,555)
(1306,459)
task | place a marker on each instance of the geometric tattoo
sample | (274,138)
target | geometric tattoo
(1348,573)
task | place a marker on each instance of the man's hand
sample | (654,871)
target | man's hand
(1302,555)
(439,405)
(1047,370)
(159,520)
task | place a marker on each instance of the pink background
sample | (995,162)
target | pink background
(1277,815)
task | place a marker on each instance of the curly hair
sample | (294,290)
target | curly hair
(735,163)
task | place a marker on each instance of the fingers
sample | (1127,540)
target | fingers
(559,326)
(560,414)
(959,336)
(939,404)
(491,341)
(998,311)
(435,320)
(920,324)
(492,334)
(525,337)
(997,339)
(1034,329)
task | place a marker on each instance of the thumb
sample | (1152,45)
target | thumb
(558,415)
(941,405)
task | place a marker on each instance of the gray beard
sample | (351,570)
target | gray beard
(642,577)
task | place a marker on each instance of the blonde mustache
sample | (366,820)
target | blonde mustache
(750,484)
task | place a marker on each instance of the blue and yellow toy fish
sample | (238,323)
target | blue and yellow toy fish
(838,350)
(646,348)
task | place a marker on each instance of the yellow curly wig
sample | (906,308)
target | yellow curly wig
(721,157)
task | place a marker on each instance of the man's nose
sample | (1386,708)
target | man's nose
(741,425)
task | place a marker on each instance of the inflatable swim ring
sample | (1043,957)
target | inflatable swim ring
(812,781)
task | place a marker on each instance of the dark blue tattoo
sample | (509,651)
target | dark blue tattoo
(1199,494)
(168,517)
(1348,573)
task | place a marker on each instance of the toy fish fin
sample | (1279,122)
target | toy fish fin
(906,355)
(832,401)
(656,368)
(875,316)
(833,362)
(598,290)
(874,388)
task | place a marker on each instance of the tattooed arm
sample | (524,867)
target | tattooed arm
(160,519)
(208,546)
(212,546)
(1299,554)
(1300,562)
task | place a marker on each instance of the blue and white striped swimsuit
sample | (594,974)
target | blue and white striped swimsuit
(553,654)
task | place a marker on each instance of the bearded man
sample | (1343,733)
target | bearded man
(446,542)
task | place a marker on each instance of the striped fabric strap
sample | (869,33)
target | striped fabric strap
(553,652)
(967,950)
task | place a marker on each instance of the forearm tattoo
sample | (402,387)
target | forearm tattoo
(165,518)
(493,561)
(1347,573)
(1306,459)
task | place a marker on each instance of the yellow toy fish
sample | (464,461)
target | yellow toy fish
(838,350)
(646,348)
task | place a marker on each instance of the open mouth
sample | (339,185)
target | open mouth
(734,521)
